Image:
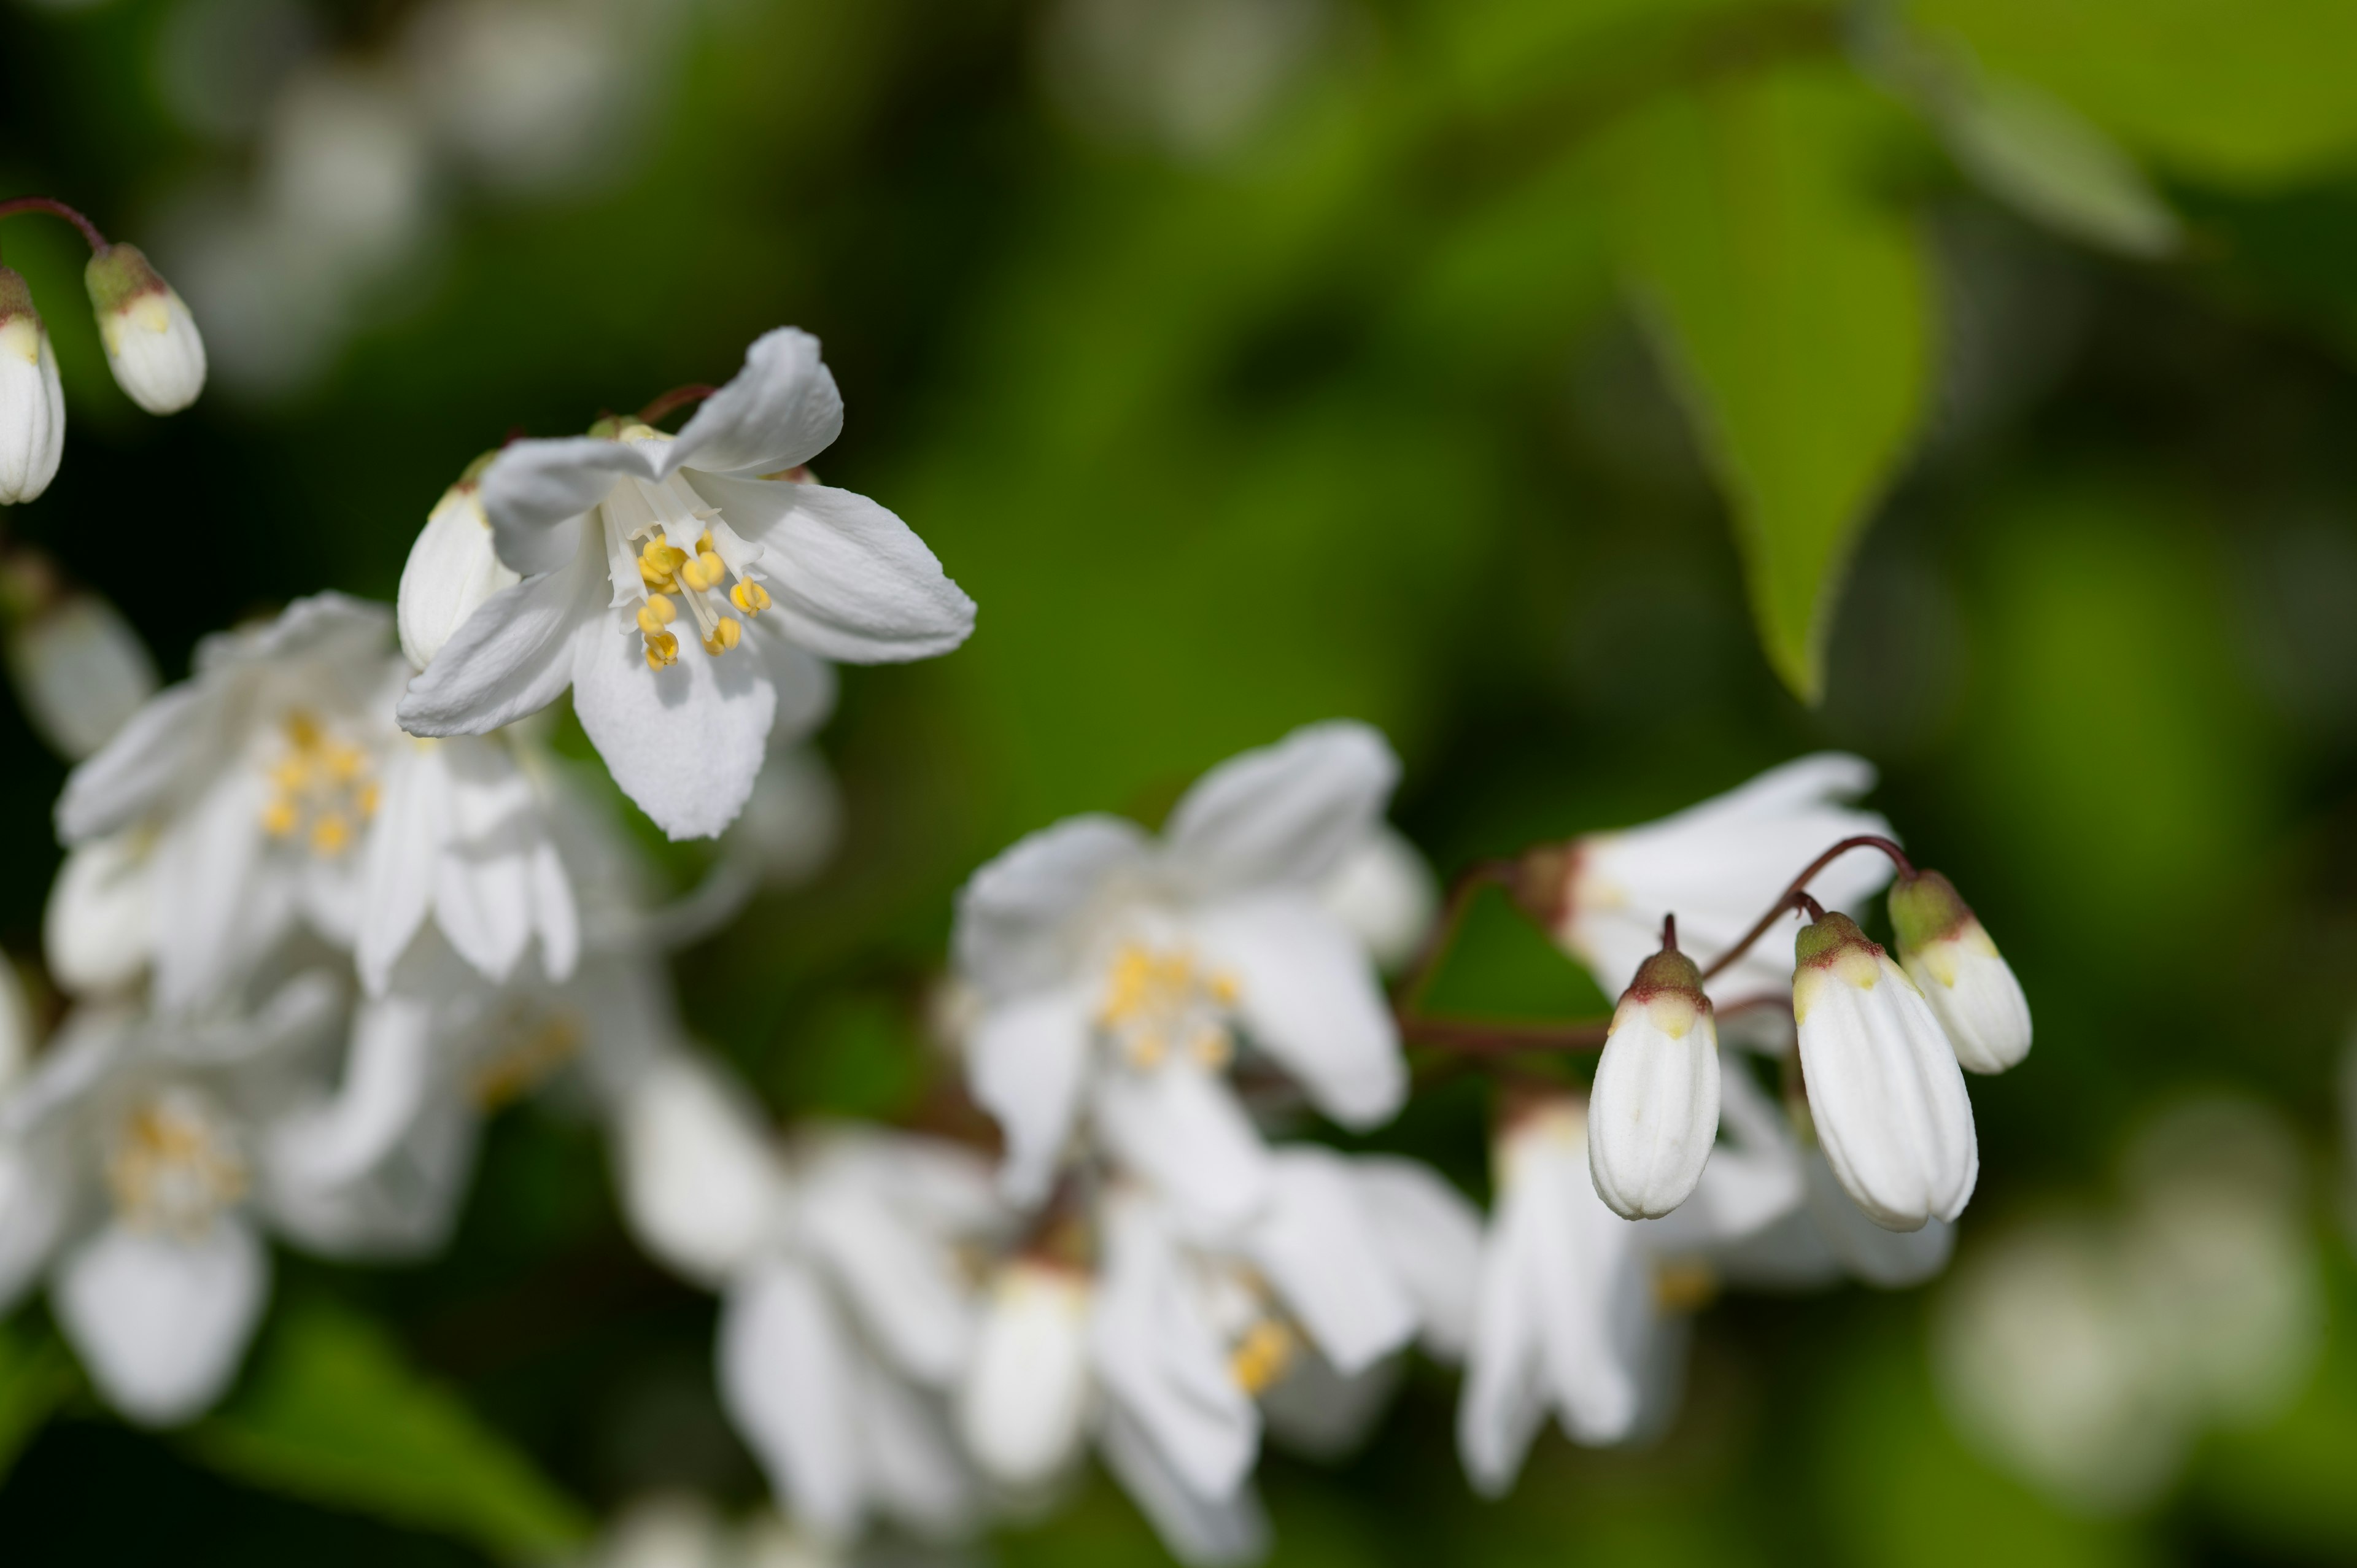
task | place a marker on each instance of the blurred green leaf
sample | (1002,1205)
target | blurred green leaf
(2240,94)
(2028,147)
(35,1376)
(1793,308)
(331,1413)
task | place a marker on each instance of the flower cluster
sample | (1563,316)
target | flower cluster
(331,901)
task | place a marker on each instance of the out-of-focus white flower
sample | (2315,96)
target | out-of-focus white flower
(1884,1088)
(1653,1112)
(452,568)
(1195,76)
(99,927)
(622,539)
(151,343)
(132,1169)
(1025,1403)
(1716,867)
(80,671)
(1385,894)
(32,404)
(1115,970)
(681,1530)
(1950,957)
(701,1183)
(536,96)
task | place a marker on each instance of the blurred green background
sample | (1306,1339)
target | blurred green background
(1254,361)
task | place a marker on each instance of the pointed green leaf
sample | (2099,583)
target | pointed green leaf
(1792,306)
(330,1412)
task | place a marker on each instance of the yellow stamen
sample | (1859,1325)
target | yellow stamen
(650,620)
(365,800)
(278,816)
(697,576)
(1262,1356)
(724,636)
(750,597)
(332,834)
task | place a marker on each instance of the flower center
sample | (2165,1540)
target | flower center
(1161,1000)
(322,789)
(669,549)
(175,1163)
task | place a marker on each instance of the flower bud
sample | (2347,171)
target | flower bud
(1653,1113)
(32,404)
(451,570)
(152,344)
(1951,959)
(80,671)
(1026,1394)
(1884,1088)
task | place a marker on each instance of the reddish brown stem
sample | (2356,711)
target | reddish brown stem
(1426,965)
(17,204)
(1784,901)
(1481,1036)
(673,401)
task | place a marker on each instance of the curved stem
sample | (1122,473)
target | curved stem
(1481,1038)
(17,204)
(1798,889)
(673,401)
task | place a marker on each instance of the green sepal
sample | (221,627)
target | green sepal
(1820,937)
(16,296)
(119,274)
(1924,907)
(1669,972)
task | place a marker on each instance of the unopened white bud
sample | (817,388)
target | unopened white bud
(32,404)
(1883,1084)
(80,671)
(1971,988)
(152,344)
(451,570)
(1653,1113)
(1024,1401)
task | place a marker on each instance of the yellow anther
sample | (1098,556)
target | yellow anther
(651,620)
(1224,989)
(714,566)
(704,543)
(726,635)
(302,731)
(696,575)
(1262,1356)
(365,798)
(278,816)
(750,597)
(656,660)
(292,774)
(332,834)
(654,576)
(343,762)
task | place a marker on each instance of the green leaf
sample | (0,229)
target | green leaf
(331,1413)
(2246,95)
(1794,310)
(35,1376)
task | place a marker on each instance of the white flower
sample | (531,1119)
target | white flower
(1115,970)
(1716,867)
(1884,1088)
(1950,957)
(627,542)
(80,671)
(249,785)
(129,1170)
(32,404)
(452,568)
(152,345)
(1387,895)
(678,1530)
(1654,1111)
(1024,1406)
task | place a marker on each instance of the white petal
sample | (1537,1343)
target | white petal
(1386,895)
(1504,1402)
(1183,1132)
(403,852)
(1753,1180)
(492,868)
(82,671)
(788,1382)
(1311,1000)
(513,657)
(1978,1002)
(220,904)
(1315,1410)
(173,737)
(914,1472)
(685,742)
(453,570)
(98,928)
(851,580)
(329,630)
(1160,1360)
(32,404)
(155,351)
(391,1072)
(1653,1115)
(1886,1092)
(1290,812)
(805,683)
(161,1322)
(1201,1529)
(1597,1285)
(903,1284)
(37,1200)
(1892,1260)
(1315,1246)
(1432,1236)
(1020,919)
(778,411)
(700,1186)
(1025,1391)
(1025,1063)
(534,490)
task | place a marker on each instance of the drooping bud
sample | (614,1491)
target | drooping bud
(78,669)
(1884,1088)
(1653,1112)
(451,570)
(152,345)
(1971,988)
(32,404)
(1025,1398)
